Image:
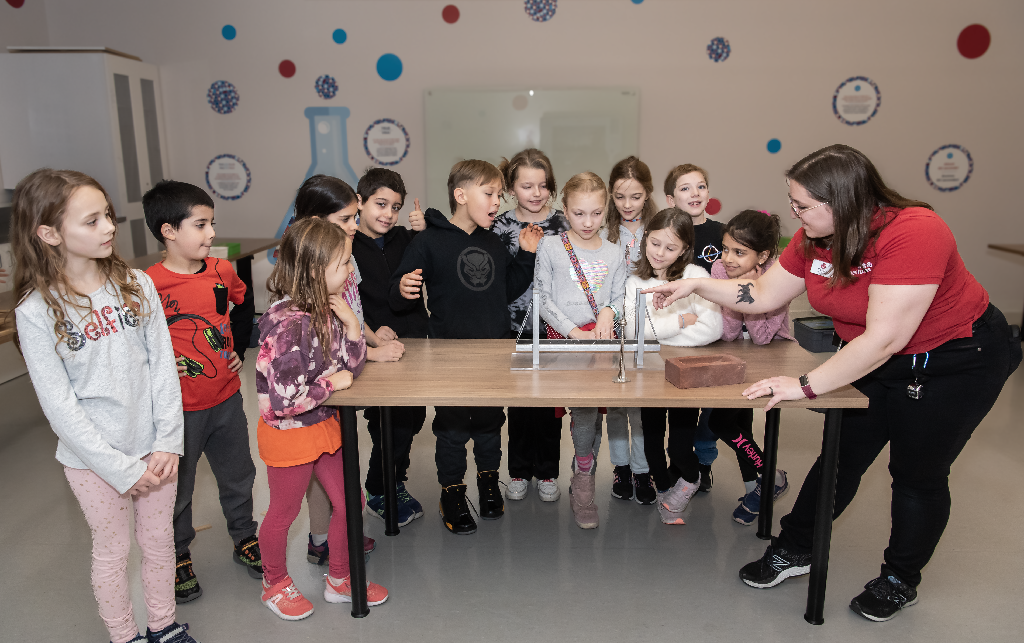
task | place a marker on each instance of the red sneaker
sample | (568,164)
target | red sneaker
(342,592)
(286,601)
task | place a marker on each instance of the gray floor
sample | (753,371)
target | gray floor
(533,575)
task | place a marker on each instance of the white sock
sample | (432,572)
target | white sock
(749,486)
(319,539)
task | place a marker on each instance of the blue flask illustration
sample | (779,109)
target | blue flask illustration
(328,142)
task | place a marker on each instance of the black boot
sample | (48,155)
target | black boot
(455,511)
(492,506)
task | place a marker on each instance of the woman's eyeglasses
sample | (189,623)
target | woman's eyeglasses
(797,210)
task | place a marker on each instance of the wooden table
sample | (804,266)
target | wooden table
(477,373)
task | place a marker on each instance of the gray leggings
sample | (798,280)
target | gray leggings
(586,436)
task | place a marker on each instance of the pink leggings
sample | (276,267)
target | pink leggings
(287,488)
(107,512)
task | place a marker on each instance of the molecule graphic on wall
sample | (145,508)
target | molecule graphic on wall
(222,97)
(719,49)
(540,10)
(326,87)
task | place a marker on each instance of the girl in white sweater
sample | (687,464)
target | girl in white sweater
(692,321)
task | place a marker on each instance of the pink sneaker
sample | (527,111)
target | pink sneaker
(286,601)
(342,592)
(678,496)
(667,516)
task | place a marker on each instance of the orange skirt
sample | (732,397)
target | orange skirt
(291,447)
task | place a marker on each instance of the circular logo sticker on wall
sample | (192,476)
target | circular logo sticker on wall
(856,100)
(386,142)
(948,168)
(228,177)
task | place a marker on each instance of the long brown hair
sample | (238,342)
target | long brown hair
(41,199)
(629,168)
(845,179)
(307,250)
(757,230)
(681,225)
(531,158)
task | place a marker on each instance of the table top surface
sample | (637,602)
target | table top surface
(476,372)
(1015,248)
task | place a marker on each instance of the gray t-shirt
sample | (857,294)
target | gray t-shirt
(563,302)
(111,393)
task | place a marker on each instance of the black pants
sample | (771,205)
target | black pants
(222,433)
(454,426)
(682,426)
(925,436)
(735,428)
(406,422)
(534,442)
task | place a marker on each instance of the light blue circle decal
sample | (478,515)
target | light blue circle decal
(229,32)
(339,36)
(853,107)
(228,177)
(386,142)
(389,67)
(774,145)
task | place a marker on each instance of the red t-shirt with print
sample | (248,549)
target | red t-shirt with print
(916,248)
(201,329)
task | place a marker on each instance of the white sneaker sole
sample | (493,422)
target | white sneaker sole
(335,597)
(791,572)
(371,512)
(879,619)
(273,608)
(509,495)
(550,497)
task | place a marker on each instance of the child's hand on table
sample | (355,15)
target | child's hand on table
(341,380)
(605,324)
(576,333)
(386,352)
(530,236)
(416,219)
(385,334)
(411,284)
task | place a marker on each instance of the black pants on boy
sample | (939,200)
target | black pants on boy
(735,428)
(682,426)
(454,426)
(222,433)
(534,442)
(406,422)
(925,436)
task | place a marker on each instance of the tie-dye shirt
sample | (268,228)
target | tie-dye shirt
(291,372)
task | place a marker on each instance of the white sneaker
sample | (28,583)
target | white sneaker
(678,497)
(548,490)
(517,489)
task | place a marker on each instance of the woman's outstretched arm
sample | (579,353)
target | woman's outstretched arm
(770,291)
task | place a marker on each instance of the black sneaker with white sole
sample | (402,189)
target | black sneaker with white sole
(622,483)
(775,566)
(883,597)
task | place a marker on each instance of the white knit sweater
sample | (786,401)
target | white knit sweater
(665,322)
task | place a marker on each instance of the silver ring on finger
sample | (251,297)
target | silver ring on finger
(771,391)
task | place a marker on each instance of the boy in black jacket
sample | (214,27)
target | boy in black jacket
(471,279)
(378,248)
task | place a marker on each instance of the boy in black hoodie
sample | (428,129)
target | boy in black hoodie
(378,248)
(471,279)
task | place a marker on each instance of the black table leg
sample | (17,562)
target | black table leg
(354,510)
(387,448)
(823,518)
(772,420)
(243,268)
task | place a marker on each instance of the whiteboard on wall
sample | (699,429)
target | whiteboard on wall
(579,130)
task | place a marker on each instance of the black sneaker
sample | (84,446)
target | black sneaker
(492,505)
(643,489)
(706,479)
(454,510)
(775,566)
(247,554)
(622,483)
(186,586)
(173,633)
(883,597)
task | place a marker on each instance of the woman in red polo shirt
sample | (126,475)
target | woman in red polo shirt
(919,339)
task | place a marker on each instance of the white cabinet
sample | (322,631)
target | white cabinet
(95,112)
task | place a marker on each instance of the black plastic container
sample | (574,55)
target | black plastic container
(815,334)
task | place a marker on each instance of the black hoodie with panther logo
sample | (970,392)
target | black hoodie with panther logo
(470,279)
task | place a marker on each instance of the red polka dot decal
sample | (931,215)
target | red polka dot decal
(17,4)
(450,14)
(974,41)
(287,68)
(714,206)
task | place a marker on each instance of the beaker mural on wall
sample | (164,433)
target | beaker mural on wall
(328,142)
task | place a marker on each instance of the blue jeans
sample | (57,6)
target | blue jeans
(705,444)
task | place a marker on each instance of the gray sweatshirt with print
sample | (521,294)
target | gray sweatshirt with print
(111,393)
(563,303)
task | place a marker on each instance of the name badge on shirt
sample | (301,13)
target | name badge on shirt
(821,268)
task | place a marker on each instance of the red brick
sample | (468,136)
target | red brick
(705,370)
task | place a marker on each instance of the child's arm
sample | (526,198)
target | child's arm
(163,375)
(64,412)
(353,342)
(242,314)
(407,281)
(544,280)
(732,321)
(284,361)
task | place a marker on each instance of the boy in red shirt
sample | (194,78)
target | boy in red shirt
(209,343)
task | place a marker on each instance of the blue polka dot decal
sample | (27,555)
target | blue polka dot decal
(229,32)
(222,97)
(540,10)
(389,67)
(719,49)
(638,1)
(774,146)
(326,87)
(339,36)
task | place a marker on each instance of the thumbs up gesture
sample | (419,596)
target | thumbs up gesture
(416,219)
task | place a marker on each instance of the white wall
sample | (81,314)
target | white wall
(787,59)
